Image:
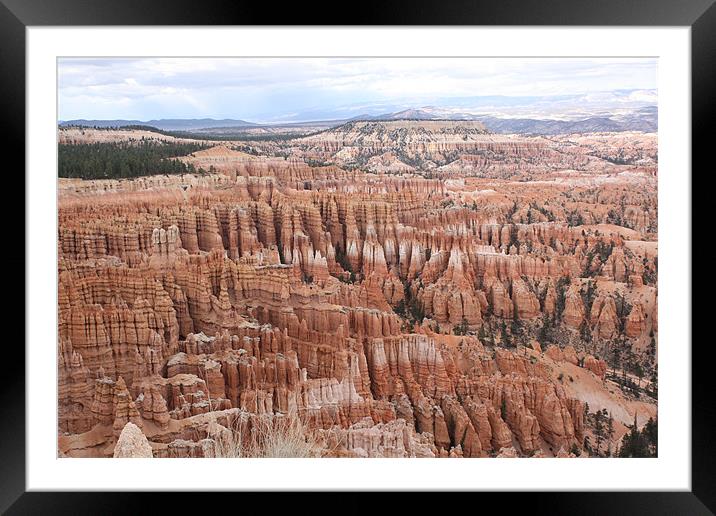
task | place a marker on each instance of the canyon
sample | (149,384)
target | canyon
(389,288)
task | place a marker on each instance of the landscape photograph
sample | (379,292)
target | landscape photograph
(357,257)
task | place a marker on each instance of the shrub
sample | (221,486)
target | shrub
(263,437)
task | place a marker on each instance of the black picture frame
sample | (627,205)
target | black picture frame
(16,15)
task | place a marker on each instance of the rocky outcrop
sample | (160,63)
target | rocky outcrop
(394,439)
(526,304)
(132,444)
(153,407)
(124,408)
(573,314)
(635,322)
(598,367)
(603,317)
(422,307)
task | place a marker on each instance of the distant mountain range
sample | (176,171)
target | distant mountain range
(165,124)
(559,106)
(641,119)
(644,123)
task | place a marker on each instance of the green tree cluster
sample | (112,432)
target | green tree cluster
(121,160)
(462,328)
(641,443)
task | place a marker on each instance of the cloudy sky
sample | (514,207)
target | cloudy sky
(266,90)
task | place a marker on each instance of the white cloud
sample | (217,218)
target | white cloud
(269,88)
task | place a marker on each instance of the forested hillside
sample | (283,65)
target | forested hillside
(118,160)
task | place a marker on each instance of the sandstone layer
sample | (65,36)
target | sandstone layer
(443,296)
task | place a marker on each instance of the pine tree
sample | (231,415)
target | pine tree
(505,336)
(462,328)
(640,443)
(651,432)
(544,332)
(588,445)
(598,428)
(482,333)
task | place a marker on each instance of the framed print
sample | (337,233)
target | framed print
(445,253)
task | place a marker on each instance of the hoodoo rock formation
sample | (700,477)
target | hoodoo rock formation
(429,290)
(132,444)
